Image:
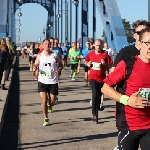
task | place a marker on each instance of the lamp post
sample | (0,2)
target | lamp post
(65,11)
(45,29)
(51,24)
(19,24)
(75,2)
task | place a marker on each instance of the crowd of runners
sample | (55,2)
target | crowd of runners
(125,80)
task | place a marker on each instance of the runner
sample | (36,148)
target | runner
(74,56)
(30,54)
(86,68)
(79,63)
(97,60)
(34,56)
(131,49)
(65,55)
(48,77)
(133,112)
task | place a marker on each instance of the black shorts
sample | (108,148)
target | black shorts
(65,58)
(130,140)
(30,58)
(50,88)
(33,60)
(74,66)
(86,68)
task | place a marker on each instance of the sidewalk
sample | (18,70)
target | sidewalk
(4,94)
(71,126)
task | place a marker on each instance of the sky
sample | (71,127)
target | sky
(34,17)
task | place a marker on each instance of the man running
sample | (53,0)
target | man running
(74,56)
(132,49)
(133,99)
(48,77)
(97,60)
(86,68)
(65,50)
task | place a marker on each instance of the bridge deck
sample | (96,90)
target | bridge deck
(71,126)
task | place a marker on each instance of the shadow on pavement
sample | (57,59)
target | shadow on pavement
(9,137)
(67,140)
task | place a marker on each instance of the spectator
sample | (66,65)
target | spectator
(11,50)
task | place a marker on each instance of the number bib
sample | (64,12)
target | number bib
(96,66)
(145,92)
(46,74)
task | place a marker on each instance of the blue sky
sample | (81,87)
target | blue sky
(35,17)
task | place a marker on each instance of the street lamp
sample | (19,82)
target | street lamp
(58,15)
(19,24)
(76,2)
(66,18)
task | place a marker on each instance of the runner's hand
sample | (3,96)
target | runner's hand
(137,102)
(56,73)
(102,61)
(89,63)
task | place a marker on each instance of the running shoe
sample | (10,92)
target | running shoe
(95,118)
(101,108)
(73,79)
(49,109)
(46,122)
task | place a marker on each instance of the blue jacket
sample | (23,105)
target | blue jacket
(57,51)
(85,52)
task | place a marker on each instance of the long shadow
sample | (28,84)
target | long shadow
(9,135)
(67,140)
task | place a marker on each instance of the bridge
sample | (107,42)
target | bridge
(71,124)
(63,13)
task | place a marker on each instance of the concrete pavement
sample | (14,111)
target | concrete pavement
(71,126)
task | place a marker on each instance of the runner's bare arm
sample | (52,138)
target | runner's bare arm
(133,100)
(36,64)
(59,62)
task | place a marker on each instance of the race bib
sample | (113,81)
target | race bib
(96,66)
(46,74)
(35,55)
(145,92)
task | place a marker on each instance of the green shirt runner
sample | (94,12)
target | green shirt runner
(74,53)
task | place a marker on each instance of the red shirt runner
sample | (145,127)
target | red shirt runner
(136,118)
(97,72)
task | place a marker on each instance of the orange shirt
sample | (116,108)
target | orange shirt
(41,49)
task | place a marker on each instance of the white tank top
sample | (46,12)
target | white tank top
(47,67)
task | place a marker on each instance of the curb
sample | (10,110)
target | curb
(5,95)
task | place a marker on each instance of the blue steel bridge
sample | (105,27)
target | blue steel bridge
(62,14)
